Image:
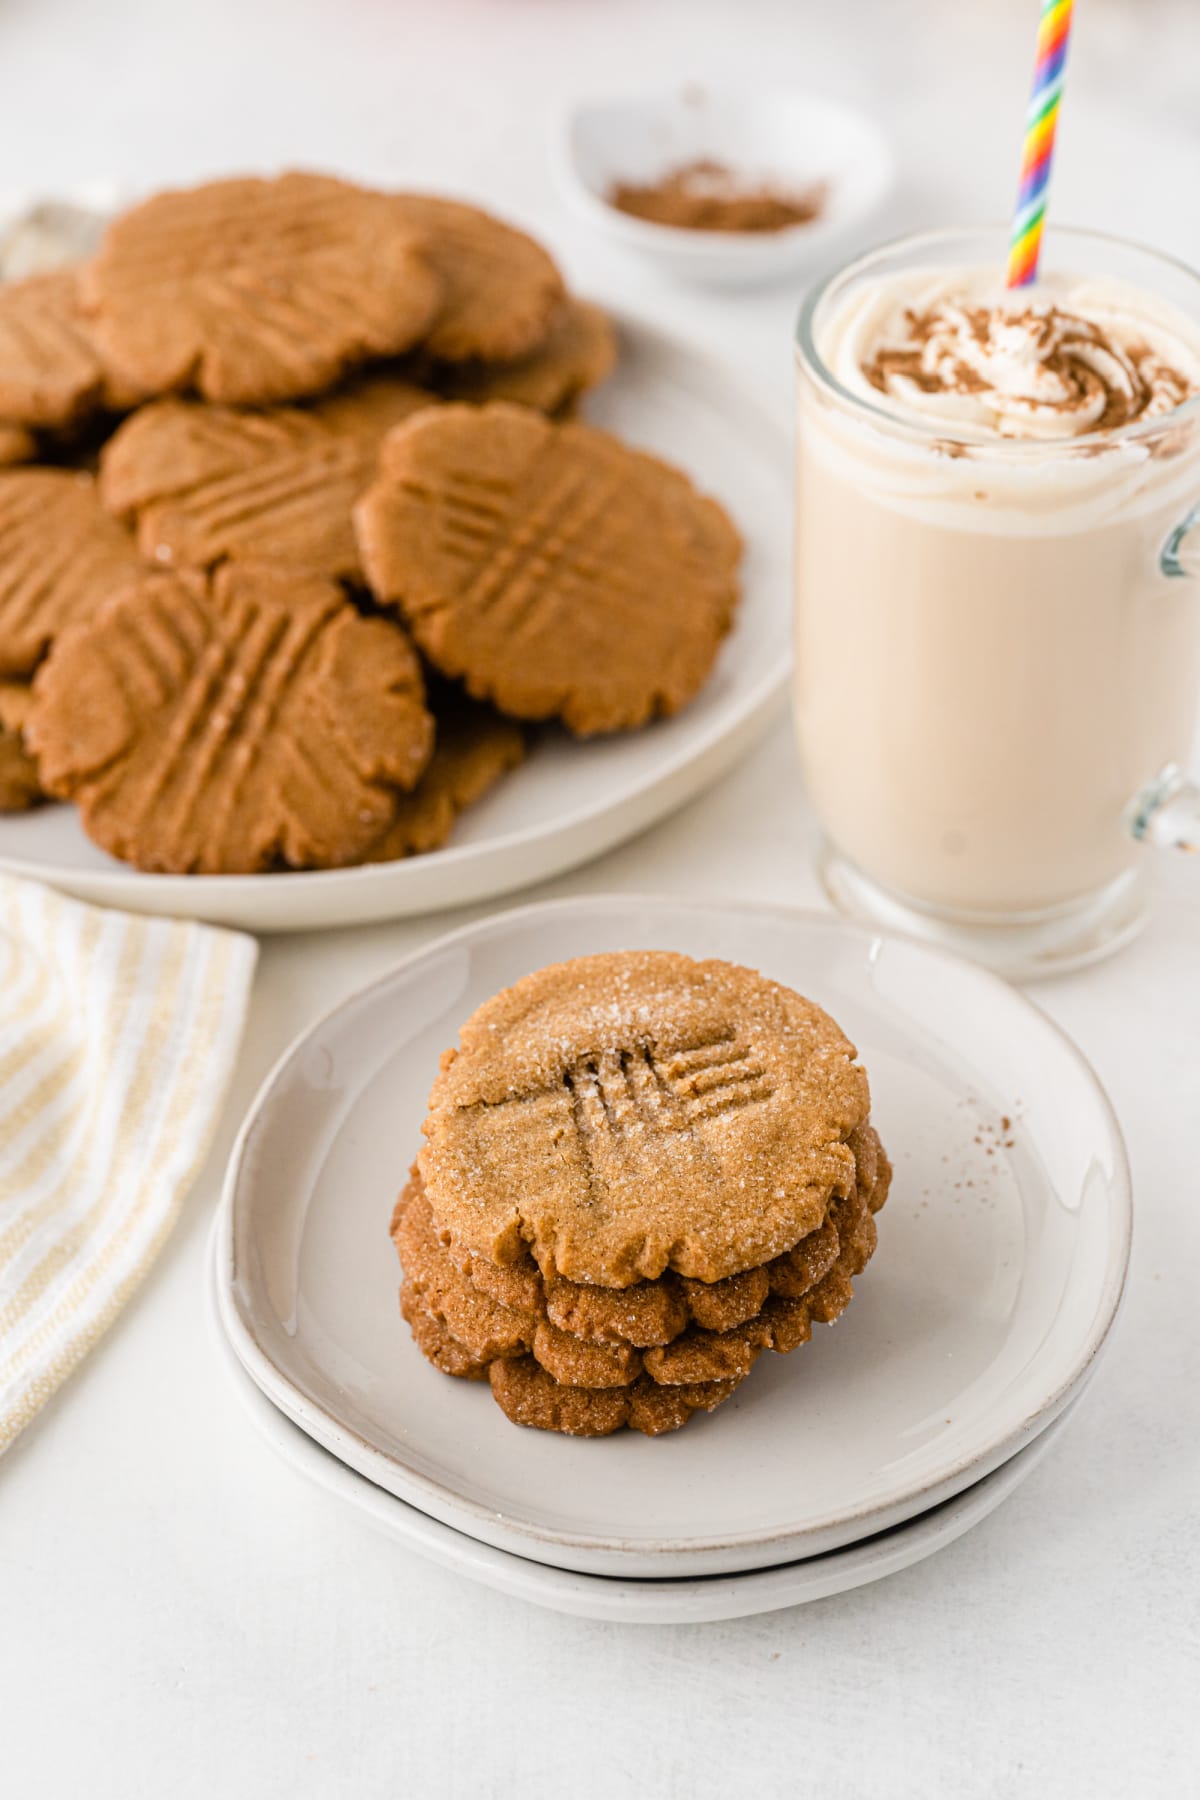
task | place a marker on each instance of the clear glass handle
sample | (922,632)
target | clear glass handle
(1167,813)
(1181,552)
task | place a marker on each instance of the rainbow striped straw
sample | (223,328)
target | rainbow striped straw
(1025,245)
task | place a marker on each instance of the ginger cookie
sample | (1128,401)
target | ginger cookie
(578,354)
(652,1313)
(482,1325)
(551,1381)
(61,557)
(528,1395)
(203,482)
(436,1343)
(250,291)
(551,568)
(625,1114)
(20,783)
(500,290)
(52,373)
(17,444)
(724,1348)
(474,747)
(649,1313)
(233,723)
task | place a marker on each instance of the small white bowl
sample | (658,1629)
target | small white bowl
(791,140)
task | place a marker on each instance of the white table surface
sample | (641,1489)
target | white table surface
(178,1613)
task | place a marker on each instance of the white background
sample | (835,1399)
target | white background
(178,1614)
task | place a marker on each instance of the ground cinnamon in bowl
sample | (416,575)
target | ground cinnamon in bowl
(705,195)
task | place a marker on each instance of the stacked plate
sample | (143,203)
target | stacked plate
(1000,1266)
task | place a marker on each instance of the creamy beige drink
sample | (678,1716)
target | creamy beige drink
(992,659)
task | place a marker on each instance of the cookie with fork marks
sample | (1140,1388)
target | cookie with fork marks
(551,568)
(233,723)
(638,1111)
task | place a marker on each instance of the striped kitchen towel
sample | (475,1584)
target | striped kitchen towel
(118,1036)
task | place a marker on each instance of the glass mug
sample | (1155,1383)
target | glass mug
(997,645)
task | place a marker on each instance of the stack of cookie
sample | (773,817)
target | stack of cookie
(640,1172)
(297,531)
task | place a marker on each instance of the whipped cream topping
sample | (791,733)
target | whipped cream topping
(1055,361)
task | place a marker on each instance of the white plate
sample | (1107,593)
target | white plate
(632,1602)
(999,1269)
(792,139)
(570,800)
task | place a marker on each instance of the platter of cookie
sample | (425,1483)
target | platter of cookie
(321,600)
(723,1238)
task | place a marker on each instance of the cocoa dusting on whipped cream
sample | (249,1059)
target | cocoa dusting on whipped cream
(706,196)
(1040,371)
